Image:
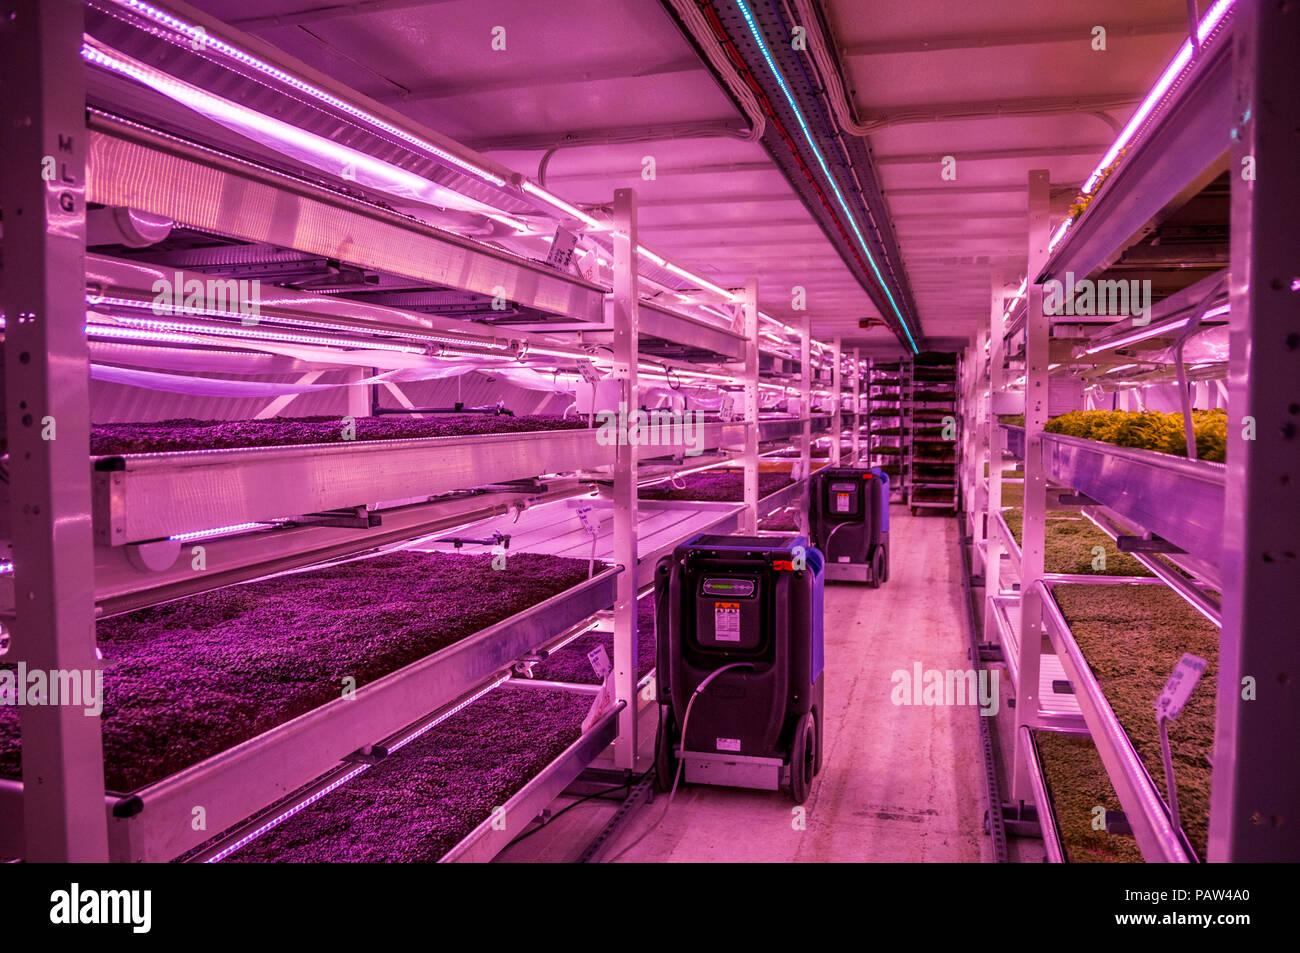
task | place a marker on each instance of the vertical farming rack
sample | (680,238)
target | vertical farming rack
(932,432)
(886,389)
(1185,549)
(112,533)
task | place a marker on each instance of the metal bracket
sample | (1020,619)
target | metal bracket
(1117,823)
(1146,544)
(1076,499)
(355,517)
(642,793)
(1019,819)
(497,538)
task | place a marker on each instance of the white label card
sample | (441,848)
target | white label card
(729,744)
(728,409)
(599,660)
(1179,688)
(588,371)
(589,522)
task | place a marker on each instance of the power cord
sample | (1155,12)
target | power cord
(677,776)
(626,787)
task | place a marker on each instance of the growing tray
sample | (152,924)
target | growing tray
(461,791)
(1118,648)
(416,662)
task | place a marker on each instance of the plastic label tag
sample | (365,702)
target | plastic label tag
(562,245)
(588,371)
(599,660)
(1179,688)
(727,411)
(726,621)
(592,526)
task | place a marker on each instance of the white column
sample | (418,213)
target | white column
(805,432)
(1255,790)
(749,524)
(1033,533)
(47,408)
(857,399)
(625,500)
(837,387)
(997,445)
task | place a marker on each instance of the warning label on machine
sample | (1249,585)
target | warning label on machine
(728,744)
(726,621)
(842,504)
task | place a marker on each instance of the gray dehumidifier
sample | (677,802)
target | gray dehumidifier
(848,521)
(740,663)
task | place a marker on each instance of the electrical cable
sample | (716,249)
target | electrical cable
(625,787)
(659,740)
(698,27)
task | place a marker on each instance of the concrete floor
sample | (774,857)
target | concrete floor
(899,783)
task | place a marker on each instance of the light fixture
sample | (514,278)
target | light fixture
(780,79)
(1151,331)
(700,282)
(556,202)
(201,39)
(1213,17)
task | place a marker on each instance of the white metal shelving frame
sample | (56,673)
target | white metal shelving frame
(62,509)
(926,482)
(886,408)
(1236,98)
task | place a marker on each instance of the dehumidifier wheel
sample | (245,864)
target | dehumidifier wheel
(665,760)
(803,758)
(884,577)
(878,567)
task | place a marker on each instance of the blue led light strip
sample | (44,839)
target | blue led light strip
(789,98)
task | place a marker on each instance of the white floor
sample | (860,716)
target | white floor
(899,783)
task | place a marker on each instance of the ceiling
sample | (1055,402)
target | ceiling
(941,58)
(599,88)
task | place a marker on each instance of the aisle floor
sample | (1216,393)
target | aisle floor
(899,783)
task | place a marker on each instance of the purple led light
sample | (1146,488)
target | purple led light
(200,38)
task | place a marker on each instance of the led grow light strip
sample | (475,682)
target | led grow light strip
(200,39)
(1152,331)
(776,73)
(144,325)
(563,643)
(554,200)
(1213,17)
(335,785)
(422,730)
(218,531)
(281,818)
(155,307)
